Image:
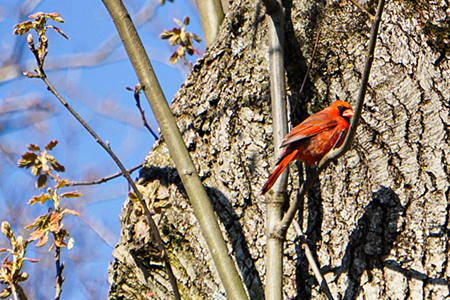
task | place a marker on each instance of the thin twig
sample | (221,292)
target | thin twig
(12,285)
(186,63)
(21,293)
(153,227)
(40,73)
(52,176)
(340,138)
(104,179)
(137,98)
(282,227)
(309,256)
(59,270)
(101,55)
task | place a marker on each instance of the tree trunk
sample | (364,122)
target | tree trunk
(378,218)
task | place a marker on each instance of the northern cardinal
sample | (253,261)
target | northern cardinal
(312,139)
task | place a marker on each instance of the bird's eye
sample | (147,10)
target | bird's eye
(342,109)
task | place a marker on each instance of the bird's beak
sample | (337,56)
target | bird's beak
(348,113)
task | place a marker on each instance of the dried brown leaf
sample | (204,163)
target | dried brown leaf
(178,22)
(36,15)
(173,58)
(42,198)
(60,244)
(164,35)
(42,181)
(33,147)
(36,234)
(5,293)
(59,31)
(61,183)
(23,27)
(43,240)
(50,145)
(72,194)
(28,159)
(71,212)
(55,164)
(196,37)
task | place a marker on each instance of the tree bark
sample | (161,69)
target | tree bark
(378,219)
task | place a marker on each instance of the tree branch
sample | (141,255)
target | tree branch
(59,269)
(316,269)
(12,285)
(281,229)
(153,228)
(104,179)
(211,15)
(40,73)
(137,89)
(10,70)
(197,195)
(276,199)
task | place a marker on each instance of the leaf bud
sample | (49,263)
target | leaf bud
(23,277)
(30,40)
(6,230)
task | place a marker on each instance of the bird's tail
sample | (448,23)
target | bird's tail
(282,164)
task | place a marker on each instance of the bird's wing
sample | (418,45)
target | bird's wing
(312,126)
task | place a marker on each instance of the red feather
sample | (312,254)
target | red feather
(312,139)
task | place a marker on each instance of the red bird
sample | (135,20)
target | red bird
(312,139)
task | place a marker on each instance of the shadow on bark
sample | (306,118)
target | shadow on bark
(227,218)
(372,239)
(411,273)
(370,242)
(242,255)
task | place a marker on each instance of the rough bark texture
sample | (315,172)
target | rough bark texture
(378,219)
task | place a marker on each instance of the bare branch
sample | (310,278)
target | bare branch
(275,200)
(106,146)
(211,15)
(12,67)
(59,269)
(104,179)
(137,98)
(13,291)
(40,73)
(309,256)
(187,171)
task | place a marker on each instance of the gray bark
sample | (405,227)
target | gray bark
(378,218)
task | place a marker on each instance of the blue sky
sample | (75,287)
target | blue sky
(98,93)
